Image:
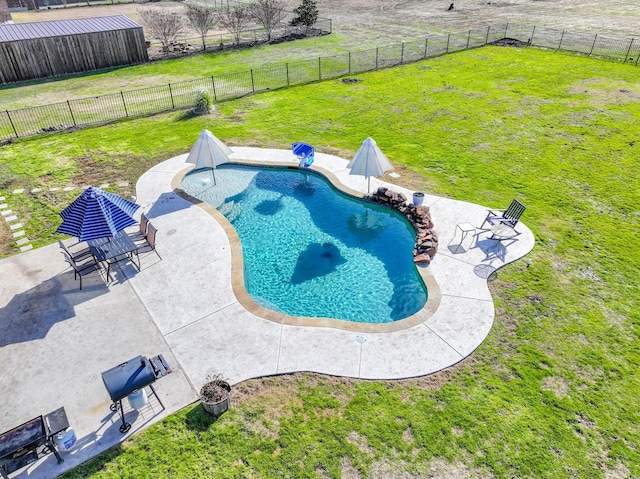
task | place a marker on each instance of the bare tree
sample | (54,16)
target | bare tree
(268,13)
(201,20)
(235,20)
(165,25)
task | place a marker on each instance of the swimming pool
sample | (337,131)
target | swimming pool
(310,250)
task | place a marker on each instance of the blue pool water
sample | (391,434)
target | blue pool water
(312,251)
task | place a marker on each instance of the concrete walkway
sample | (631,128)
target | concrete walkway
(56,340)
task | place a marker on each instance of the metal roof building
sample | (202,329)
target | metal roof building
(59,47)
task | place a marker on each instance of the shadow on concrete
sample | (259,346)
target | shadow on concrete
(485,271)
(30,315)
(166,203)
(493,249)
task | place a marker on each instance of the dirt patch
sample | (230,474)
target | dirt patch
(620,471)
(7,245)
(556,385)
(510,42)
(380,22)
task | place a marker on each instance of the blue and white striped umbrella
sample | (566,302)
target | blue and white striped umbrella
(97,214)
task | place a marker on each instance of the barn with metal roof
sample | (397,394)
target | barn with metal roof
(60,47)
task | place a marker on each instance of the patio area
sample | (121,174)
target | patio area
(56,339)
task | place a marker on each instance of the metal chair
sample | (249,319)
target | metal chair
(80,270)
(508,217)
(149,242)
(78,255)
(141,234)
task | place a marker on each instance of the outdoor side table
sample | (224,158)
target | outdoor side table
(113,250)
(465,229)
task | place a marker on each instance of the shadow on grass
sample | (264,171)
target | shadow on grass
(198,420)
(94,465)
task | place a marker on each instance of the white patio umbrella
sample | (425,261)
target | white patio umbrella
(369,161)
(208,152)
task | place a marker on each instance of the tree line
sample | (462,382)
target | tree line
(165,25)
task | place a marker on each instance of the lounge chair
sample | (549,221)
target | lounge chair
(78,255)
(81,269)
(508,217)
(141,234)
(149,242)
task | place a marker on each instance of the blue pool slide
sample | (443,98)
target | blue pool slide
(304,152)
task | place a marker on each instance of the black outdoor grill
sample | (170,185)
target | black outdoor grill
(128,377)
(28,442)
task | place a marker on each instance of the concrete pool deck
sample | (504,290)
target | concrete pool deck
(56,339)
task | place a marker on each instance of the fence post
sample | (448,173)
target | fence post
(287,64)
(426,45)
(349,68)
(213,84)
(319,68)
(561,38)
(253,85)
(70,111)
(376,58)
(124,103)
(486,40)
(532,34)
(506,30)
(448,38)
(402,54)
(628,50)
(593,45)
(173,105)
(12,125)
(468,38)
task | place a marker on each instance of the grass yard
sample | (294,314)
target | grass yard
(552,393)
(42,92)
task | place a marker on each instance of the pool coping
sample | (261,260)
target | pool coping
(191,293)
(237,264)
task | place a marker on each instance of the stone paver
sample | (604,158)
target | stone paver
(16,226)
(56,339)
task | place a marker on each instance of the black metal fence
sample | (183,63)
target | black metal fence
(182,95)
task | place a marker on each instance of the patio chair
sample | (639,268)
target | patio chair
(82,269)
(508,217)
(141,234)
(78,255)
(149,242)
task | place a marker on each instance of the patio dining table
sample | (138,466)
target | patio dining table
(114,249)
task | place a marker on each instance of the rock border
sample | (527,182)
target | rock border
(419,216)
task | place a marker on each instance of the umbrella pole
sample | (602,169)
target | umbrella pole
(213,170)
(369,186)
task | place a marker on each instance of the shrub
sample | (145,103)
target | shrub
(203,103)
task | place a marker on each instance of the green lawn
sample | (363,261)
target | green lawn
(552,393)
(38,92)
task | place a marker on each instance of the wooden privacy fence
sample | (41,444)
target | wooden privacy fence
(182,95)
